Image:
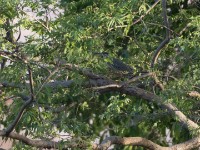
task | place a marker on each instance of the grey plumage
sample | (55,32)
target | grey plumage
(117,65)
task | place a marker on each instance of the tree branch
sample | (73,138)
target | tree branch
(30,75)
(135,91)
(102,82)
(20,113)
(138,141)
(150,97)
(141,17)
(17,118)
(137,78)
(37,20)
(163,43)
(98,80)
(194,94)
(76,143)
(167,37)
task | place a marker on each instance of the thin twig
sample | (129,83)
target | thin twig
(41,87)
(37,21)
(167,37)
(160,85)
(6,54)
(163,43)
(31,82)
(137,78)
(185,28)
(19,34)
(46,80)
(160,25)
(141,17)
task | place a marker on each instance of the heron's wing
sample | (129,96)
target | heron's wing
(121,66)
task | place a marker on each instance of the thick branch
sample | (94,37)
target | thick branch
(46,143)
(194,94)
(104,83)
(97,80)
(146,95)
(135,91)
(138,141)
(35,143)
(78,143)
(107,85)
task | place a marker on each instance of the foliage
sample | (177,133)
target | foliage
(78,30)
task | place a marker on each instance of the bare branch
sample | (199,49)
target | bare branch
(76,143)
(53,84)
(162,44)
(135,91)
(107,86)
(138,141)
(185,28)
(146,95)
(47,80)
(194,94)
(160,25)
(59,109)
(160,85)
